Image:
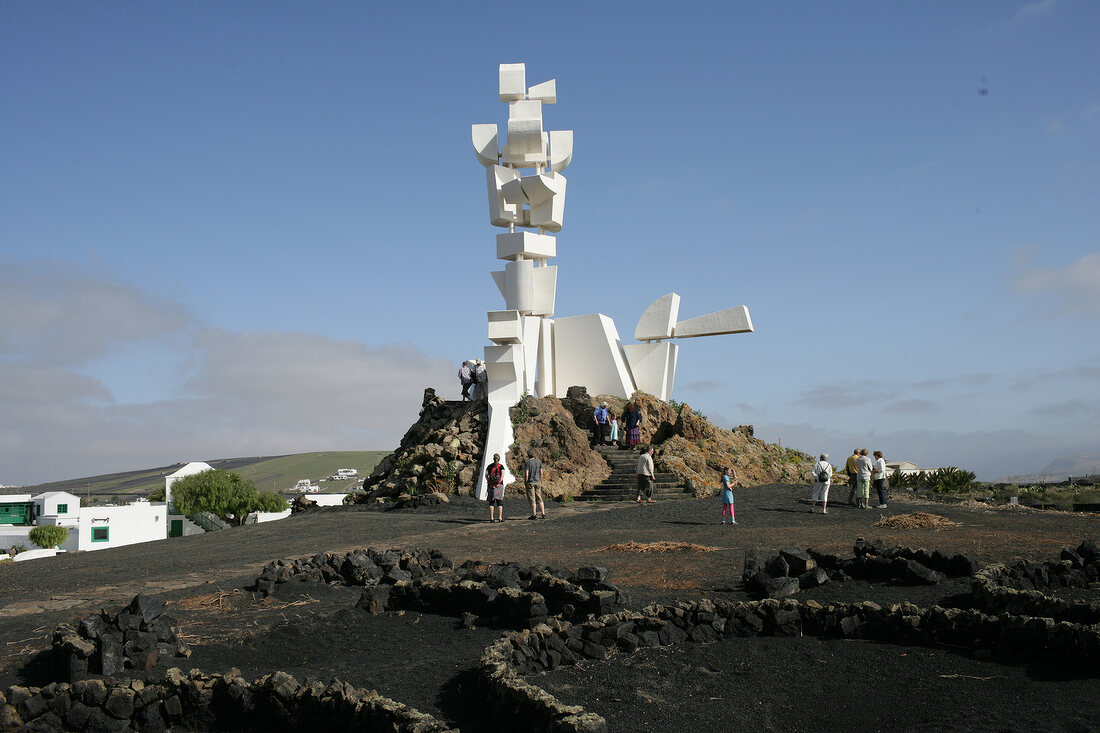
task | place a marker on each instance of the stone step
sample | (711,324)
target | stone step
(661,478)
(632,490)
(629,498)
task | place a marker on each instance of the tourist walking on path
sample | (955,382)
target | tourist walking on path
(851,467)
(614,435)
(494,477)
(602,416)
(879,476)
(466,379)
(532,481)
(632,422)
(728,477)
(822,479)
(863,479)
(645,475)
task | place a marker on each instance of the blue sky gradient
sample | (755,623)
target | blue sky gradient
(255,228)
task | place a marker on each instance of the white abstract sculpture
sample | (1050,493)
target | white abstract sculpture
(532,353)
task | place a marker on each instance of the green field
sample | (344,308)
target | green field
(278,473)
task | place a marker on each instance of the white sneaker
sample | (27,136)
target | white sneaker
(881,506)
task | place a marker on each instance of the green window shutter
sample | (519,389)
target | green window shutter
(62,508)
(100,534)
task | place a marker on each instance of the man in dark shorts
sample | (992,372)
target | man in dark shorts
(532,479)
(494,479)
(645,475)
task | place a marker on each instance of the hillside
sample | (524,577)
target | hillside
(277,473)
(442,450)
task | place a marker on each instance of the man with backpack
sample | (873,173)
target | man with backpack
(494,478)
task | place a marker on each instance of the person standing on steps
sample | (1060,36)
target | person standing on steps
(494,477)
(614,435)
(466,379)
(879,476)
(481,378)
(728,477)
(851,467)
(532,480)
(863,480)
(823,475)
(602,416)
(632,422)
(645,475)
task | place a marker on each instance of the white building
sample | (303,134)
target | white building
(114,526)
(177,525)
(91,528)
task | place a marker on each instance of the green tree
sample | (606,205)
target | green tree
(48,535)
(224,494)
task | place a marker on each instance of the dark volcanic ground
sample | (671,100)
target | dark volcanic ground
(426,661)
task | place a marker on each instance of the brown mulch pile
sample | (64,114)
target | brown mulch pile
(916,520)
(659,547)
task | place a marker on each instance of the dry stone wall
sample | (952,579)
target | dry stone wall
(557,624)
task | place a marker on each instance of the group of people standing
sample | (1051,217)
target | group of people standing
(606,426)
(472,374)
(862,471)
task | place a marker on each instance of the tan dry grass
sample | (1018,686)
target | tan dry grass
(663,546)
(916,520)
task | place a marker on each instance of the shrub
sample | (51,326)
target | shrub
(951,480)
(48,535)
(224,494)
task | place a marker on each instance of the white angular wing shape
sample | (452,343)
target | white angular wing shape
(731,320)
(659,319)
(485,144)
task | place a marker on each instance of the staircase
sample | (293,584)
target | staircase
(622,484)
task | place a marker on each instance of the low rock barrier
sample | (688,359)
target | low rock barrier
(198,701)
(793,569)
(503,593)
(1017,588)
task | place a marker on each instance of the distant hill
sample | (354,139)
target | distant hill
(278,473)
(1059,470)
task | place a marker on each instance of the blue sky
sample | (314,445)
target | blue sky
(254,228)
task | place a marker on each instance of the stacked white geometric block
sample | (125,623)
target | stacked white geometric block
(522,359)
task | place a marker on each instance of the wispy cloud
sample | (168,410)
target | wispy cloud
(841,395)
(245,394)
(911,406)
(1076,286)
(1031,11)
(55,317)
(704,385)
(1066,409)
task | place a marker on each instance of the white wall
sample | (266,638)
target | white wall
(126,525)
(262,517)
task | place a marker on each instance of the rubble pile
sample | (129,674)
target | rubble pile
(793,569)
(441,452)
(138,641)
